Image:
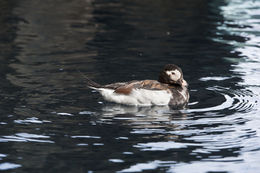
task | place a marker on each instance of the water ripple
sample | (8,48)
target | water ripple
(162,146)
(8,166)
(88,137)
(140,167)
(238,100)
(25,137)
(32,120)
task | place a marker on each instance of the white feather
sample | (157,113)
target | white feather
(175,76)
(142,97)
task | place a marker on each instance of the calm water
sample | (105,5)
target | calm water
(50,121)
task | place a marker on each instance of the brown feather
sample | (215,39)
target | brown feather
(145,84)
(127,88)
(124,90)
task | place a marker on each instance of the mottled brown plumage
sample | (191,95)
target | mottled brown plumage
(145,84)
(170,84)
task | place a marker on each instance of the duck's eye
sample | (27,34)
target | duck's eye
(173,73)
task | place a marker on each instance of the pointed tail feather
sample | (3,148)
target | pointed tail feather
(91,84)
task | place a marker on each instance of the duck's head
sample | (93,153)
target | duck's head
(172,75)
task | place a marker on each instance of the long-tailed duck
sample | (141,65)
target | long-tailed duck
(170,89)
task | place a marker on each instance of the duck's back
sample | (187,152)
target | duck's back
(144,93)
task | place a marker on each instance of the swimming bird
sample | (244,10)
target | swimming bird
(170,89)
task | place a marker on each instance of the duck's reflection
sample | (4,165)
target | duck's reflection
(144,120)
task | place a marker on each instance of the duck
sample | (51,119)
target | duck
(170,89)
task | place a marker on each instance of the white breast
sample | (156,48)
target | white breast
(142,97)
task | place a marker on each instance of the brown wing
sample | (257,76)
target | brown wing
(118,84)
(145,84)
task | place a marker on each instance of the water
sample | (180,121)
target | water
(50,121)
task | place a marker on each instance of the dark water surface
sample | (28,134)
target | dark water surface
(50,121)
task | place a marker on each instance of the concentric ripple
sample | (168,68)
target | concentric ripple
(237,100)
